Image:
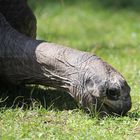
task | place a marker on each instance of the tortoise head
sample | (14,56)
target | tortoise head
(104,88)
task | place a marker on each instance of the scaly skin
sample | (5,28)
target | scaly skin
(88,79)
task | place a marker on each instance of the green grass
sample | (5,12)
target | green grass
(71,125)
(111,33)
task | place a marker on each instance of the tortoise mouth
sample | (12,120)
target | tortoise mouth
(118,108)
(116,102)
(111,111)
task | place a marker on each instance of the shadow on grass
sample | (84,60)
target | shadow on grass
(29,96)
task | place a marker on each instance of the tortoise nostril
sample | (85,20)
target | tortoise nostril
(113,94)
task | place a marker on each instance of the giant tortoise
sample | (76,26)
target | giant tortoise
(25,60)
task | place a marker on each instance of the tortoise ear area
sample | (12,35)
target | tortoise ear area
(91,88)
(89,83)
(88,88)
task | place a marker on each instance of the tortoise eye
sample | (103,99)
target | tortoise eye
(113,94)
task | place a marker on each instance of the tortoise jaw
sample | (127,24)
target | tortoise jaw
(119,107)
(117,100)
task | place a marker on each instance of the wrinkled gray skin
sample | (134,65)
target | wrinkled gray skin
(88,79)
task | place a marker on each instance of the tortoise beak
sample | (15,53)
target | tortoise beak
(117,107)
(119,103)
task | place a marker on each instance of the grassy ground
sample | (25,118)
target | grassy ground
(111,33)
